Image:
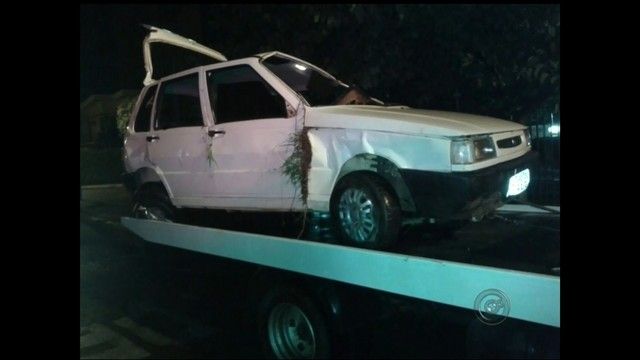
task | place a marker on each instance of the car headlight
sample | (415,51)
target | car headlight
(471,150)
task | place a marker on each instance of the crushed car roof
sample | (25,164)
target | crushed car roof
(158,35)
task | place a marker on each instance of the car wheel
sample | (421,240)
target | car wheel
(291,326)
(365,212)
(152,202)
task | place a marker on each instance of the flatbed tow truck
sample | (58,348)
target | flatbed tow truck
(499,273)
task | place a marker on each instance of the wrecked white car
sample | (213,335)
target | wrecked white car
(272,132)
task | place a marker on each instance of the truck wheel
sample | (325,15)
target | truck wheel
(291,326)
(365,213)
(152,202)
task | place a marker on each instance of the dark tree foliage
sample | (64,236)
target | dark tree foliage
(498,60)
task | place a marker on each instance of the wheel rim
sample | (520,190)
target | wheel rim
(290,333)
(150,213)
(357,215)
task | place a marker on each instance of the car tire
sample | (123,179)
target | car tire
(152,202)
(291,326)
(365,212)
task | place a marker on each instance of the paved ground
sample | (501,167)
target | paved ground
(139,302)
(134,306)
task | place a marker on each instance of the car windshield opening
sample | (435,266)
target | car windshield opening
(315,87)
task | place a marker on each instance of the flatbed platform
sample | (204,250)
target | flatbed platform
(515,253)
(519,238)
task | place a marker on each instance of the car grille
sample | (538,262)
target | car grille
(509,142)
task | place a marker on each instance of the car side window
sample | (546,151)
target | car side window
(239,93)
(179,103)
(143,118)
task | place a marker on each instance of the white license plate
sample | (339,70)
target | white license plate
(519,182)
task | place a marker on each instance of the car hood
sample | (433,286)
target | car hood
(402,119)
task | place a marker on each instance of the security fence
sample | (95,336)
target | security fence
(545,183)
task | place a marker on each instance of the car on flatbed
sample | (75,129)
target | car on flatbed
(272,132)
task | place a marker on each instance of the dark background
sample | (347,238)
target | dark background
(497,60)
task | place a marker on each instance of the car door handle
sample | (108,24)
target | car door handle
(213,133)
(152,138)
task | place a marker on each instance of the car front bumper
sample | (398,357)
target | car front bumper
(460,195)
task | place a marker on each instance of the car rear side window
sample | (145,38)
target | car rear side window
(143,118)
(179,103)
(239,93)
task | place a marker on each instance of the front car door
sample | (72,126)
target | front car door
(250,141)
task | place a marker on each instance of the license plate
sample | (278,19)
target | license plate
(519,182)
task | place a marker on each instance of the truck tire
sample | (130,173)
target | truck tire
(365,212)
(290,325)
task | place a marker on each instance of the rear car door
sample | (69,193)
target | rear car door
(136,149)
(178,142)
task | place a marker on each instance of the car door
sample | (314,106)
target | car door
(136,146)
(178,141)
(250,141)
